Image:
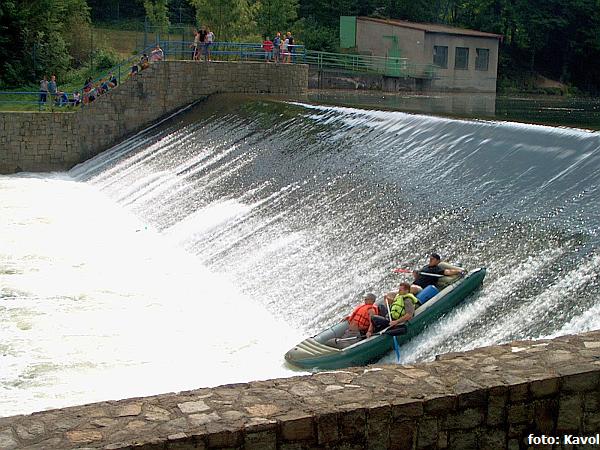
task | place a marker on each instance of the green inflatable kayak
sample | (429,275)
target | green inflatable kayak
(314,354)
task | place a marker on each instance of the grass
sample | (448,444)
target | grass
(124,42)
(129,42)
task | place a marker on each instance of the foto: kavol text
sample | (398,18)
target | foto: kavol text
(566,440)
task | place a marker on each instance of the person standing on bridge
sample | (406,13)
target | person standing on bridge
(52,88)
(267,46)
(208,41)
(195,45)
(290,40)
(44,89)
(277,47)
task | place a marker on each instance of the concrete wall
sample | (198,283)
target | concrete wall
(490,398)
(33,141)
(370,40)
(472,80)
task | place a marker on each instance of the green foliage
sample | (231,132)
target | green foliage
(228,19)
(37,36)
(157,13)
(105,58)
(317,37)
(557,38)
(275,15)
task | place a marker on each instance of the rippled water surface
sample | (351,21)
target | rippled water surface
(197,252)
(545,110)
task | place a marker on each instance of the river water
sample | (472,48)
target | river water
(197,252)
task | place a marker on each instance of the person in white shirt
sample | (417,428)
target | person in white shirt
(208,41)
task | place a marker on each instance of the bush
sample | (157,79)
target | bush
(316,37)
(105,58)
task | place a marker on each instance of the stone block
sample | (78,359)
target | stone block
(545,413)
(294,446)
(402,409)
(261,440)
(427,433)
(468,418)
(513,444)
(442,439)
(440,405)
(327,428)
(225,439)
(518,393)
(580,382)
(569,412)
(32,430)
(544,388)
(402,436)
(462,440)
(353,425)
(496,415)
(519,430)
(378,426)
(592,401)
(591,422)
(519,414)
(493,439)
(473,399)
(8,440)
(181,441)
(298,429)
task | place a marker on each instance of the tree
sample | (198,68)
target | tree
(275,15)
(228,19)
(37,37)
(157,13)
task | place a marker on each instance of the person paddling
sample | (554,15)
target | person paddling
(402,308)
(430,274)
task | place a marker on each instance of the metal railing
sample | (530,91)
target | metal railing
(381,65)
(46,101)
(223,51)
(231,51)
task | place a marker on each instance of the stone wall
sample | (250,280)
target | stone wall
(510,396)
(33,141)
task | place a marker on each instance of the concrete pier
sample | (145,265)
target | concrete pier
(506,396)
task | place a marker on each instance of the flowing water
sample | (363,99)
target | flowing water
(197,252)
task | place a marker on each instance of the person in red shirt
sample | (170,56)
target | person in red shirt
(267,46)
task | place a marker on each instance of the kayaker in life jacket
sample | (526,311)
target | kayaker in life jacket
(360,319)
(402,308)
(359,323)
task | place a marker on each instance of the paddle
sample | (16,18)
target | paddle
(437,275)
(396,347)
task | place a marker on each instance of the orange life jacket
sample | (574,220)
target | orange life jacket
(360,316)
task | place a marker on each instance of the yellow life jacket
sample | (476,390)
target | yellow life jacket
(398,309)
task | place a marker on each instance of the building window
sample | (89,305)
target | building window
(482,59)
(440,56)
(461,59)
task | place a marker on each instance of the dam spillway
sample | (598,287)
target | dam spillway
(291,210)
